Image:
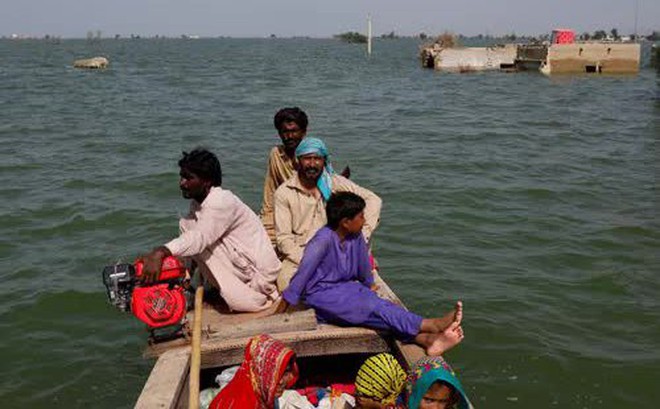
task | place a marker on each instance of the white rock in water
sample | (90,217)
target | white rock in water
(96,62)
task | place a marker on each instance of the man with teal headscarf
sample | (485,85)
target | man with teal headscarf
(316,147)
(300,204)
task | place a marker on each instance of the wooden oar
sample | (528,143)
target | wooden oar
(195,352)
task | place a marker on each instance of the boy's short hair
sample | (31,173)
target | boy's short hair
(343,205)
(204,164)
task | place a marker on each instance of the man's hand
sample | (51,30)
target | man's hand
(153,262)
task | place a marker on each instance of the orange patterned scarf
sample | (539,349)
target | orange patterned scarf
(256,381)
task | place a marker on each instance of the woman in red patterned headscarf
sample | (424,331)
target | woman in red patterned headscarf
(269,367)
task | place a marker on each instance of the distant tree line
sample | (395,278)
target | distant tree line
(357,38)
(601,35)
(352,37)
(389,36)
(597,35)
(613,34)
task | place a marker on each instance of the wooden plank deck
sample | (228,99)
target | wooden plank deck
(224,332)
(218,327)
(167,383)
(325,340)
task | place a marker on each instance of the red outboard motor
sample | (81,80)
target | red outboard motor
(160,304)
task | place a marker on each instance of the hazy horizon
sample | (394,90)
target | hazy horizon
(291,18)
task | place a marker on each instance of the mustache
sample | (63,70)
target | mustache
(312,169)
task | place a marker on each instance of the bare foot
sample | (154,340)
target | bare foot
(459,311)
(446,340)
(437,325)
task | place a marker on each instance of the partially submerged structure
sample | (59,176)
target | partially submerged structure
(565,56)
(562,55)
(469,59)
(91,63)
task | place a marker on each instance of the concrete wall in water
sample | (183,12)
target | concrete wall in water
(576,58)
(474,59)
(607,58)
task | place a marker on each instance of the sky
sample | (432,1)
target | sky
(286,18)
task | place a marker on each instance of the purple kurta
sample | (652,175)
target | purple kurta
(335,278)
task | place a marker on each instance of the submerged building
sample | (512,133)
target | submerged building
(469,59)
(562,55)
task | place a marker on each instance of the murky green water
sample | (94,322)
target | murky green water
(535,200)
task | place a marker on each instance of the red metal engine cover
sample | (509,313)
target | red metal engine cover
(159,305)
(172,268)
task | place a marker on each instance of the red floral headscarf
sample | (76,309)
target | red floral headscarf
(255,383)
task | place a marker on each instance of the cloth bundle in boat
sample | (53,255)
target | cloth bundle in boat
(294,400)
(206,396)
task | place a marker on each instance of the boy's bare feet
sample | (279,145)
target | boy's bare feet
(459,311)
(446,340)
(437,325)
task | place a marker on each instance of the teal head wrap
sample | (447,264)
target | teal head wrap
(427,371)
(316,146)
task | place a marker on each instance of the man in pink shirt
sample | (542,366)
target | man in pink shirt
(225,238)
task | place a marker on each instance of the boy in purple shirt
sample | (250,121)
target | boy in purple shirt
(335,279)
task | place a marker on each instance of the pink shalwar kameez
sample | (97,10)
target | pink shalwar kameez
(232,248)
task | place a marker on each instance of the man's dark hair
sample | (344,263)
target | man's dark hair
(202,163)
(343,205)
(294,114)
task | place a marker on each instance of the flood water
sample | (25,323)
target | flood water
(535,200)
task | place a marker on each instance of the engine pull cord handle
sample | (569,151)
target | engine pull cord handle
(195,351)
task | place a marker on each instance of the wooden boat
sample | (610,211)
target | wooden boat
(325,353)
